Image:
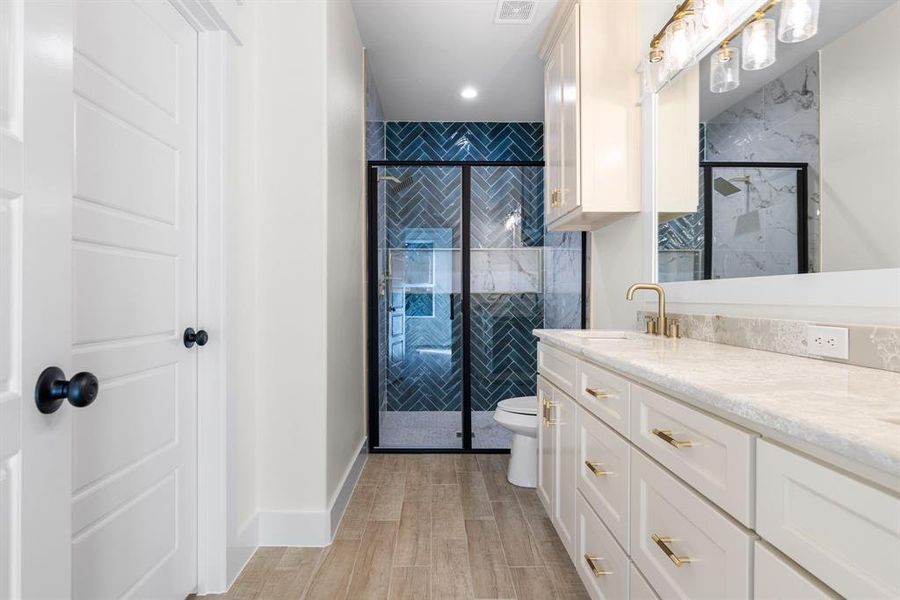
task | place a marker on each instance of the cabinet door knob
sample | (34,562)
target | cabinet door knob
(52,388)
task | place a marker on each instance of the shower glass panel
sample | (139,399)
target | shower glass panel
(507,287)
(419,233)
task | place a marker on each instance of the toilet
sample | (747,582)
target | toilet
(519,415)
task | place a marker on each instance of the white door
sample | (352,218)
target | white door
(35,227)
(98,273)
(134,291)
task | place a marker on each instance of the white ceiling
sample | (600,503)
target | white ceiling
(836,17)
(423,52)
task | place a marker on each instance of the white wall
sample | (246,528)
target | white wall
(860,146)
(345,247)
(299,266)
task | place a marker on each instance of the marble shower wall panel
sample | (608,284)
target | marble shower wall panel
(506,271)
(755,229)
(778,123)
(562,280)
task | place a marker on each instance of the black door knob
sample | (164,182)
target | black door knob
(192,337)
(52,388)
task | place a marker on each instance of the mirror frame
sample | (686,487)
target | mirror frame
(869,296)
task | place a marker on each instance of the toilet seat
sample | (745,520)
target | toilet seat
(525,405)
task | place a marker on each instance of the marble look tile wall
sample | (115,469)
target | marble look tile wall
(778,123)
(873,346)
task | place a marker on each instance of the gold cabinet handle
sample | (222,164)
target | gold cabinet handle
(666,436)
(595,468)
(554,198)
(592,564)
(663,543)
(597,393)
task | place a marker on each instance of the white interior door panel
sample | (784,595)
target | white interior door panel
(134,274)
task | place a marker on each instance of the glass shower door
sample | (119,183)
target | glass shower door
(419,232)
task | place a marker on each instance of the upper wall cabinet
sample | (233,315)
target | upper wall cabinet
(592,121)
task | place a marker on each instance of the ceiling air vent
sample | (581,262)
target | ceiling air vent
(515,11)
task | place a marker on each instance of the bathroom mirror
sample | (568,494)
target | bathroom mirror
(797,163)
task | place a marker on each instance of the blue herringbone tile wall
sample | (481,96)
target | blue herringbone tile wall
(464,141)
(425,208)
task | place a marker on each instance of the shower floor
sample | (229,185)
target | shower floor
(437,429)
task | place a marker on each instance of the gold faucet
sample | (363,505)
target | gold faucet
(660,325)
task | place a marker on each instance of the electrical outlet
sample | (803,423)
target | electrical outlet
(831,342)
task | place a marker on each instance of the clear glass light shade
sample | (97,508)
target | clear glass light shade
(712,13)
(653,75)
(724,70)
(678,44)
(799,20)
(758,44)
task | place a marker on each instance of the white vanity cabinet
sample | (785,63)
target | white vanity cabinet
(591,115)
(557,445)
(653,497)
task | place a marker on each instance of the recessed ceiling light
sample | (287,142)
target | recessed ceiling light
(468,93)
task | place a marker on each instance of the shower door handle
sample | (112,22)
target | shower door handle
(452,308)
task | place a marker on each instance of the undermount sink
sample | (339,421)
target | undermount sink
(891,420)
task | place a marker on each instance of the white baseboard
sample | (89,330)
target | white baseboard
(311,528)
(351,476)
(245,544)
(294,528)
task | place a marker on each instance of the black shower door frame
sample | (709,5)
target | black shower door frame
(465,250)
(802,169)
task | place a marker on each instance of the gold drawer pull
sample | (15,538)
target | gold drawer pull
(663,543)
(552,422)
(666,436)
(595,468)
(597,393)
(590,560)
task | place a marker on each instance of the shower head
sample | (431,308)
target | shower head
(725,187)
(399,184)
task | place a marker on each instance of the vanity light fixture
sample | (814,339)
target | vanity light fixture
(712,13)
(724,70)
(799,20)
(758,44)
(678,43)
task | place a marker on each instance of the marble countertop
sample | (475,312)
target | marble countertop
(849,411)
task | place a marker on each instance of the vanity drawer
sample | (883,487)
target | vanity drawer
(557,367)
(605,486)
(720,551)
(775,578)
(842,531)
(601,564)
(604,394)
(715,458)
(640,589)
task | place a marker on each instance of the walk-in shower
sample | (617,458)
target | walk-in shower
(461,270)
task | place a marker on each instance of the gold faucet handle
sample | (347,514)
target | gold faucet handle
(651,324)
(673,329)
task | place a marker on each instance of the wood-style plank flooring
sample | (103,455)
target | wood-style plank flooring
(425,526)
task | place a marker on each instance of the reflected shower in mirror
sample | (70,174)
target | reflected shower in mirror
(798,162)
